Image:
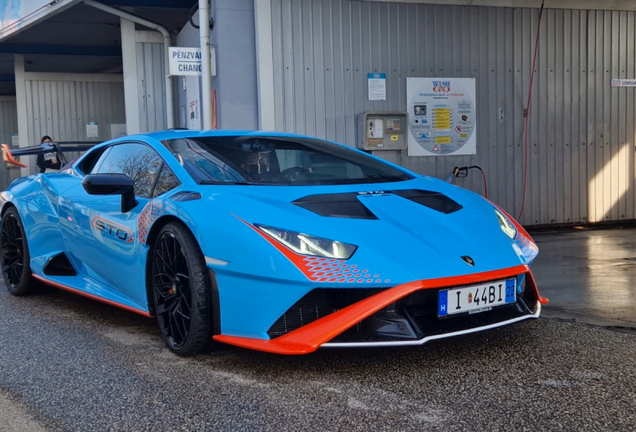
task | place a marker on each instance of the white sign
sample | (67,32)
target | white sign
(442,116)
(15,141)
(92,131)
(377,86)
(117,130)
(623,83)
(195,122)
(187,61)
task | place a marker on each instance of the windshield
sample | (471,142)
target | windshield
(278,161)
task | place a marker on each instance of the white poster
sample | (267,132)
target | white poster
(195,121)
(377,86)
(442,116)
(92,130)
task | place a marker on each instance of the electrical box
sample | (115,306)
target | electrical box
(382,131)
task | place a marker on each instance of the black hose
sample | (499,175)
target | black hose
(193,9)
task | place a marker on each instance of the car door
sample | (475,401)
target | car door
(105,240)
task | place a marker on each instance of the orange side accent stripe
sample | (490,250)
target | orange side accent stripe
(93,297)
(296,259)
(308,338)
(8,157)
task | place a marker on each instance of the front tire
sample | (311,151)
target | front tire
(15,258)
(181,291)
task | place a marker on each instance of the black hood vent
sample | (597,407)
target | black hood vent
(344,205)
(348,205)
(433,200)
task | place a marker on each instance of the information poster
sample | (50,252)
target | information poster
(442,116)
(377,86)
(92,130)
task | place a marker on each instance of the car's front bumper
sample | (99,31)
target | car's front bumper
(437,336)
(340,328)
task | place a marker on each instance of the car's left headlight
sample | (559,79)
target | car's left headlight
(506,226)
(305,244)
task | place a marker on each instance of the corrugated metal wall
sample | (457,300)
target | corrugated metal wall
(61,109)
(8,127)
(151,86)
(581,154)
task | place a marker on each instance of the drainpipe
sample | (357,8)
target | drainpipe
(206,75)
(166,43)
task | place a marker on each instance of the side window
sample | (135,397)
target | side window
(91,166)
(165,182)
(137,161)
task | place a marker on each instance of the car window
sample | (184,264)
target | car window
(165,182)
(139,162)
(280,160)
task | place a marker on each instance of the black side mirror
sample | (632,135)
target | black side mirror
(112,184)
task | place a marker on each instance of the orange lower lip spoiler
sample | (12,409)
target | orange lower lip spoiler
(310,337)
(8,157)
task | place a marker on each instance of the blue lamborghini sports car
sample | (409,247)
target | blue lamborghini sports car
(270,241)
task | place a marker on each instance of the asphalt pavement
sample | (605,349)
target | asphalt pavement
(72,364)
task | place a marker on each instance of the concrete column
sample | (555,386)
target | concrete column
(235,39)
(265,64)
(21,106)
(131,91)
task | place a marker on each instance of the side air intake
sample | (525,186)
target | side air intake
(59,265)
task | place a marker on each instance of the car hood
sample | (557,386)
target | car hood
(417,229)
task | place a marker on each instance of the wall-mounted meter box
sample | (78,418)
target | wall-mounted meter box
(382,131)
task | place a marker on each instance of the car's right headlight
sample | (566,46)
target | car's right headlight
(305,244)
(523,243)
(506,226)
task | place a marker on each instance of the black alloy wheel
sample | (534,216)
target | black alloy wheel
(15,258)
(181,292)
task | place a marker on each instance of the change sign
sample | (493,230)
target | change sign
(187,61)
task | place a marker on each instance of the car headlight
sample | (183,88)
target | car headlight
(506,226)
(305,244)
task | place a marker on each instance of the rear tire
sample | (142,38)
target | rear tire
(15,258)
(181,291)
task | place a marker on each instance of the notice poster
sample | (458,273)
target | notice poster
(377,86)
(442,116)
(92,130)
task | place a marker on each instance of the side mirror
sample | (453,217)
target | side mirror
(112,184)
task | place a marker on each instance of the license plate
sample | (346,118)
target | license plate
(476,298)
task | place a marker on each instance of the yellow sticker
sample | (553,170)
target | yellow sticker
(394,137)
(464,135)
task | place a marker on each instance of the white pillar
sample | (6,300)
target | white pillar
(206,75)
(21,106)
(129,60)
(265,65)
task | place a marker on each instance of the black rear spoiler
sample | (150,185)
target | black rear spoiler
(59,148)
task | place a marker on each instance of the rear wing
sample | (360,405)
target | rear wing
(59,148)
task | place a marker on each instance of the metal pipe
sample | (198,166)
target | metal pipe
(206,73)
(166,42)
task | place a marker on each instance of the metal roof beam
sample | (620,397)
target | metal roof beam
(171,4)
(622,5)
(101,51)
